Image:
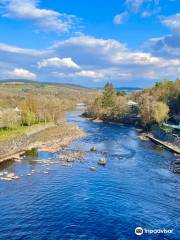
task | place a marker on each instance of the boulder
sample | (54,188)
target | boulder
(102,162)
(93,149)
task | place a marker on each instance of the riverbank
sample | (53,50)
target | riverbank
(156,134)
(166,145)
(132,120)
(50,138)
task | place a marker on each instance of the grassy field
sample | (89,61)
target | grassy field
(16,131)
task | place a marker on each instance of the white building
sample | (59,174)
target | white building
(132,103)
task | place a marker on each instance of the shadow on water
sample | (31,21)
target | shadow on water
(158,148)
(6,164)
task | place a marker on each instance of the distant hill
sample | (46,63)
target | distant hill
(11,91)
(125,89)
(128,89)
(67,85)
(25,81)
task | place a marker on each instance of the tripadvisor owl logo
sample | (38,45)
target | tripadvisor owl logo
(139,231)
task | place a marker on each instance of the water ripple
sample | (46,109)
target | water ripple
(135,188)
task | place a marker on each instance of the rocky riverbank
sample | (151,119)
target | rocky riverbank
(164,138)
(128,120)
(49,139)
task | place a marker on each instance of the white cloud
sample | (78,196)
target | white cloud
(114,60)
(89,74)
(88,41)
(145,7)
(168,45)
(134,5)
(172,22)
(46,19)
(101,52)
(98,60)
(17,50)
(89,50)
(15,56)
(58,63)
(94,75)
(22,73)
(138,58)
(120,18)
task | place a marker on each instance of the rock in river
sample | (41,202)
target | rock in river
(102,162)
(92,169)
(93,149)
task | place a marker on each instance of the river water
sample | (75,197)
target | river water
(135,188)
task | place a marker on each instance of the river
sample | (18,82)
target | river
(135,188)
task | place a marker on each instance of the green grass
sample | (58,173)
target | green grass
(166,129)
(16,131)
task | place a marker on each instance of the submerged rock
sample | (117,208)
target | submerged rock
(102,162)
(92,169)
(9,177)
(66,164)
(71,157)
(93,149)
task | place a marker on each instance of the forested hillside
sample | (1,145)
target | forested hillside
(27,104)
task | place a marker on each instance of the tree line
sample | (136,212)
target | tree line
(146,107)
(33,110)
(26,105)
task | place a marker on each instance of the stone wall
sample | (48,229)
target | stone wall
(165,136)
(13,145)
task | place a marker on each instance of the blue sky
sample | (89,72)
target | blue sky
(127,42)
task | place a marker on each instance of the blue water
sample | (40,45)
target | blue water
(135,188)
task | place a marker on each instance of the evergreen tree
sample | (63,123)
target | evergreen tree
(109,96)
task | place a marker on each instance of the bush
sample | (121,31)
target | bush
(28,118)
(9,118)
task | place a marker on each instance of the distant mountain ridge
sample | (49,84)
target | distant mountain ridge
(125,89)
(128,89)
(21,81)
(70,85)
